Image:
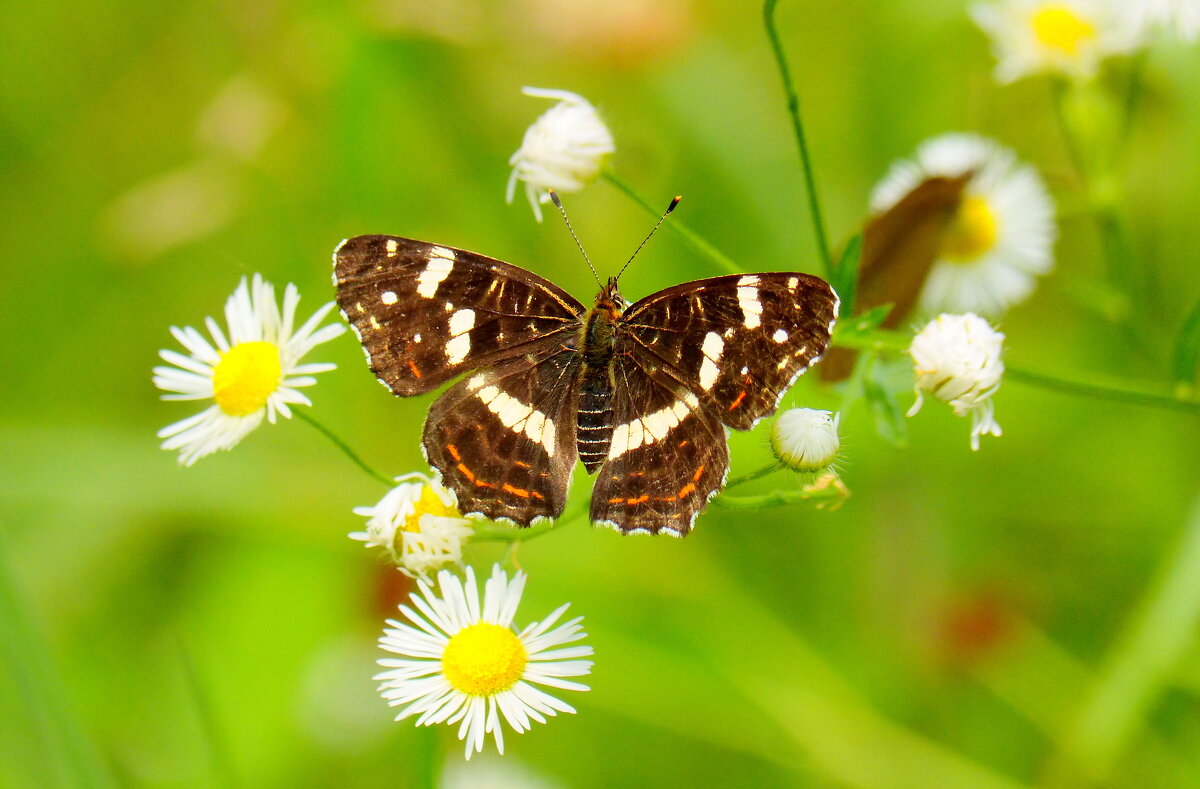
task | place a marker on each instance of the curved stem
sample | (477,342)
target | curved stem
(677,226)
(793,105)
(826,488)
(342,445)
(753,475)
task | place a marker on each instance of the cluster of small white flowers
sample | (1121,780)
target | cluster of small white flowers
(417,524)
(956,359)
(564,149)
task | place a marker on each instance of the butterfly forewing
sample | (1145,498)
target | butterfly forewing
(427,313)
(737,342)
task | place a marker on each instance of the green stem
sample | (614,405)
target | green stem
(342,445)
(777,498)
(677,226)
(793,105)
(1106,390)
(753,475)
(1179,399)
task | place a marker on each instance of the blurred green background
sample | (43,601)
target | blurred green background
(1020,616)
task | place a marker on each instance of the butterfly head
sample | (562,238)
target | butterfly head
(610,299)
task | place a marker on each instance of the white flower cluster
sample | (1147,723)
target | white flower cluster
(417,524)
(956,359)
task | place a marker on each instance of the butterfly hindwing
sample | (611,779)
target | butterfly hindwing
(427,313)
(738,342)
(503,439)
(666,459)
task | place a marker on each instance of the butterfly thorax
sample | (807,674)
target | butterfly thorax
(596,341)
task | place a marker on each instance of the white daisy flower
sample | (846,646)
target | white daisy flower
(463,662)
(253,372)
(417,523)
(806,439)
(564,149)
(957,360)
(1069,37)
(1180,16)
(1003,235)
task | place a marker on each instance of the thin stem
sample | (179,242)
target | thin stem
(677,226)
(1107,390)
(342,445)
(828,487)
(793,105)
(753,475)
(1179,399)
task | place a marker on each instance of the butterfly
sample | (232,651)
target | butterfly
(641,393)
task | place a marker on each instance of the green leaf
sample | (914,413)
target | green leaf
(845,274)
(889,417)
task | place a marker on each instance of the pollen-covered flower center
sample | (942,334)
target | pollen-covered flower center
(1059,28)
(972,232)
(484,659)
(428,503)
(246,376)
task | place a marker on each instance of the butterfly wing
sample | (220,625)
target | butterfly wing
(737,342)
(667,456)
(503,439)
(425,313)
(687,360)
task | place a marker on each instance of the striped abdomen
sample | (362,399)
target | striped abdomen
(595,419)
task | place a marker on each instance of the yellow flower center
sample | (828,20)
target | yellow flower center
(246,376)
(972,232)
(1059,28)
(429,503)
(484,659)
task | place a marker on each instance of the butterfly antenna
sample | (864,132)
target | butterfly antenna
(666,213)
(558,204)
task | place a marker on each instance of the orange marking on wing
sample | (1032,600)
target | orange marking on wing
(617,500)
(453,450)
(412,366)
(638,500)
(537,495)
(638,474)
(696,476)
(683,443)
(523,464)
(481,484)
(515,491)
(741,396)
(686,489)
(466,472)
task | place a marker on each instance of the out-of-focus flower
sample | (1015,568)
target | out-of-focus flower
(806,439)
(417,524)
(463,662)
(1002,236)
(564,149)
(1069,37)
(1179,16)
(255,372)
(957,360)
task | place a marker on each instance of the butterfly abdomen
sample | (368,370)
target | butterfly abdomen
(595,420)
